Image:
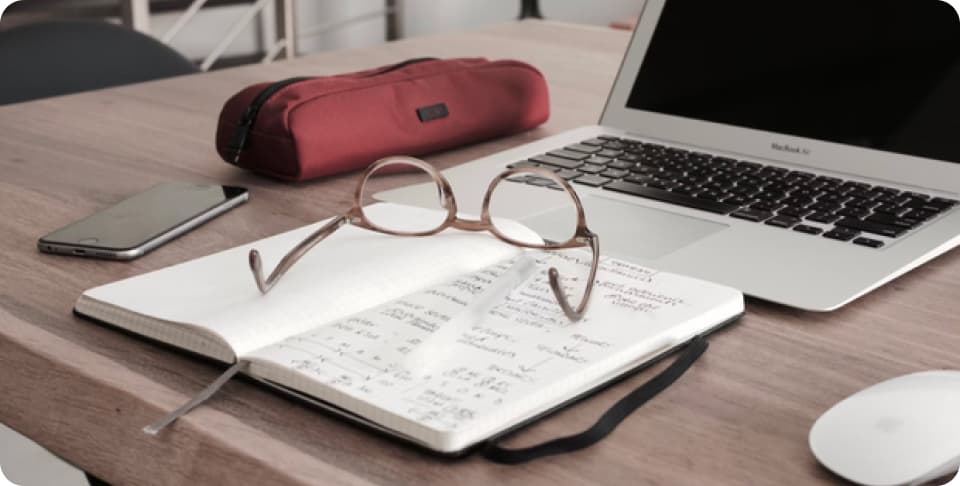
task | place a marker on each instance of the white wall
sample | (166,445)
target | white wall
(429,16)
(418,17)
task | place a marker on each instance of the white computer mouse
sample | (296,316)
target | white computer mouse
(904,431)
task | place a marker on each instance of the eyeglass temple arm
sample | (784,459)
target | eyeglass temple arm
(575,314)
(256,265)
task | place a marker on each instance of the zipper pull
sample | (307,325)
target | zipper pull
(243,131)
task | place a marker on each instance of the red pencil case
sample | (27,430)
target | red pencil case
(303,128)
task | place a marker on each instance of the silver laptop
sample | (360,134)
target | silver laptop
(804,155)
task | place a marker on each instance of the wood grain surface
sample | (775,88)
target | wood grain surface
(740,416)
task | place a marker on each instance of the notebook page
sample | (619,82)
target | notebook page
(352,270)
(522,358)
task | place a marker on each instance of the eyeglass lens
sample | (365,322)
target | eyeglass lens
(430,197)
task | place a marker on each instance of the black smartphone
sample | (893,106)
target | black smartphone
(138,224)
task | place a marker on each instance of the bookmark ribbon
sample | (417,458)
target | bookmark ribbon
(203,396)
(610,419)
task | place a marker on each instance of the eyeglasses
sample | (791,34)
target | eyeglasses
(581,236)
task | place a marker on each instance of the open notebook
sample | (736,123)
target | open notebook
(359,322)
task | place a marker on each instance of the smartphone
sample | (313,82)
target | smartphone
(138,224)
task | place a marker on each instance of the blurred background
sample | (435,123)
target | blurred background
(220,33)
(150,39)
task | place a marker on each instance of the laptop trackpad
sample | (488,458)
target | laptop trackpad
(631,231)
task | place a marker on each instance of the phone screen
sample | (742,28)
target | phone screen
(145,216)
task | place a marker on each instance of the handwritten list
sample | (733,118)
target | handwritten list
(522,350)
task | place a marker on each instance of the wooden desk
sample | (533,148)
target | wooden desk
(741,416)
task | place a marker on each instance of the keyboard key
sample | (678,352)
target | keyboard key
(901,200)
(917,195)
(671,174)
(653,147)
(594,141)
(579,147)
(666,185)
(621,164)
(861,203)
(771,196)
(842,234)
(891,210)
(596,159)
(568,154)
(872,227)
(751,215)
(825,218)
(745,191)
(810,230)
(886,190)
(868,242)
(522,163)
(802,175)
(766,206)
(767,172)
(615,145)
(568,174)
(678,152)
(854,185)
(887,200)
(615,173)
(749,165)
(609,153)
(779,187)
(891,220)
(669,197)
(853,212)
(591,169)
(794,211)
(831,197)
(540,181)
(915,203)
(592,180)
(711,195)
(782,221)
(716,186)
(825,207)
(920,215)
(798,202)
(936,206)
(557,161)
(607,138)
(944,201)
(739,200)
(806,193)
(829,180)
(645,170)
(639,178)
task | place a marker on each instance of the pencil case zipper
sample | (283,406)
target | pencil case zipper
(249,117)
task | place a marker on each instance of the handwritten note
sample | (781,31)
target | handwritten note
(520,355)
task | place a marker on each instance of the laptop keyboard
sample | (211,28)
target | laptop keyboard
(804,202)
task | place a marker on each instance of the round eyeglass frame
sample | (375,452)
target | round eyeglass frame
(581,238)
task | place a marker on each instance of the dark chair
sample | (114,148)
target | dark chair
(530,9)
(53,58)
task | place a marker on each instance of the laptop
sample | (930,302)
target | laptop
(803,152)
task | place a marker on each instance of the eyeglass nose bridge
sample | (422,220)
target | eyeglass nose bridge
(470,224)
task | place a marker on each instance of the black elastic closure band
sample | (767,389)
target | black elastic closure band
(610,419)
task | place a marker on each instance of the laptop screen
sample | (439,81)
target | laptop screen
(881,74)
